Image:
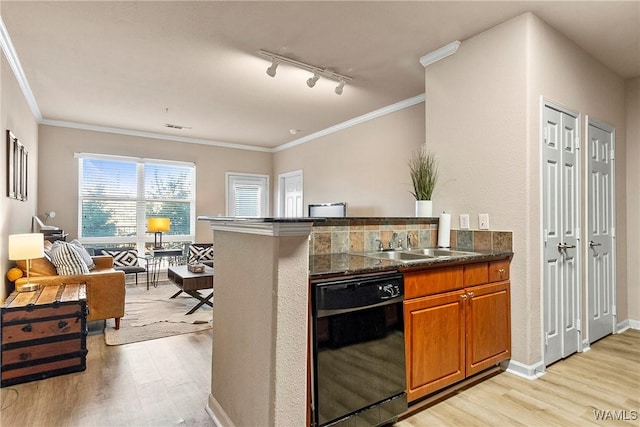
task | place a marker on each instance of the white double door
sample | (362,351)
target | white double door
(561,233)
(563,250)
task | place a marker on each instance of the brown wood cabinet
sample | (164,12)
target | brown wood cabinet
(457,333)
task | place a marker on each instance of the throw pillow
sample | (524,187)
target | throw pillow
(123,258)
(86,257)
(67,260)
(200,252)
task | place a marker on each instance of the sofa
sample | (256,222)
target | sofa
(105,285)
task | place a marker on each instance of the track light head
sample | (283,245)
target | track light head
(311,82)
(271,71)
(340,87)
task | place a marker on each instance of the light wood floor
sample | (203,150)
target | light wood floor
(165,382)
(606,378)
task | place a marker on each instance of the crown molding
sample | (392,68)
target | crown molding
(439,54)
(14,63)
(352,122)
(130,132)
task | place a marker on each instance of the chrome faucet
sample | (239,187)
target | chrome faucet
(408,241)
(380,245)
(394,236)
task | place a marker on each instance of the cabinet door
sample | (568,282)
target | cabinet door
(488,320)
(434,341)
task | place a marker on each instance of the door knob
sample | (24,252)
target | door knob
(564,246)
(592,244)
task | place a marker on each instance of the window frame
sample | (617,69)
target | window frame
(259,179)
(142,238)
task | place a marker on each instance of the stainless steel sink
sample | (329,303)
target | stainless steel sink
(401,256)
(417,255)
(440,253)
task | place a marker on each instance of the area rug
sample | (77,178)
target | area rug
(153,314)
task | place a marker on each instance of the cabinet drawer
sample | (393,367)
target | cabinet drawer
(36,330)
(429,282)
(499,270)
(476,274)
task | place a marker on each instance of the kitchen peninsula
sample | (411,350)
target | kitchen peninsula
(259,356)
(263,268)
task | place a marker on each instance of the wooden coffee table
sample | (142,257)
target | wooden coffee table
(191,283)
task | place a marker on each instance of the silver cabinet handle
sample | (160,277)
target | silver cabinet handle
(592,244)
(463,296)
(471,294)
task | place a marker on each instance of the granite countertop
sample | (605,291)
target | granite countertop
(347,264)
(252,219)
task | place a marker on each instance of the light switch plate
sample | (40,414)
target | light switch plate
(483,221)
(464,221)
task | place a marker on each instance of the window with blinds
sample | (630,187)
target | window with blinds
(119,194)
(247,195)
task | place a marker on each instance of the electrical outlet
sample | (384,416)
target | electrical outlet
(483,221)
(464,221)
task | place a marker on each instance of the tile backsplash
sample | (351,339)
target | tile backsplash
(365,234)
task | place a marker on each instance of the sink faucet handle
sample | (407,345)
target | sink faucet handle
(408,241)
(380,245)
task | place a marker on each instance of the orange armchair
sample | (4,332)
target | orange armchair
(105,285)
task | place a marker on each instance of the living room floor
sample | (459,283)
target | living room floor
(162,382)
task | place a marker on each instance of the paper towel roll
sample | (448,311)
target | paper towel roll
(444,230)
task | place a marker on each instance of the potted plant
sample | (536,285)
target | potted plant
(423,167)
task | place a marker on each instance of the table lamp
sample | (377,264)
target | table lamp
(157,226)
(27,247)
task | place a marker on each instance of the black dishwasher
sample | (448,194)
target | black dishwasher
(358,350)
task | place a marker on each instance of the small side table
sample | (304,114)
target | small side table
(191,283)
(153,262)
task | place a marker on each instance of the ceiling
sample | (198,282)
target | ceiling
(138,65)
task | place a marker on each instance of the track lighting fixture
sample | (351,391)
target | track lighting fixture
(271,71)
(311,82)
(317,71)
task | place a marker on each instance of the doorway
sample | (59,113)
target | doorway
(290,194)
(600,251)
(561,232)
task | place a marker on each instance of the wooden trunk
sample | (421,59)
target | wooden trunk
(43,333)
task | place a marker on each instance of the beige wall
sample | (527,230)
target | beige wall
(476,123)
(60,169)
(15,216)
(633,199)
(484,124)
(364,165)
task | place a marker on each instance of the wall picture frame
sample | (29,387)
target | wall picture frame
(17,168)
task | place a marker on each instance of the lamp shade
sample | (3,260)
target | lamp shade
(159,224)
(26,246)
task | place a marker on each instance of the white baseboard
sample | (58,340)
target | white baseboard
(627,324)
(530,372)
(217,414)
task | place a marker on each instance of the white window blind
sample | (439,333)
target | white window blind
(117,195)
(247,195)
